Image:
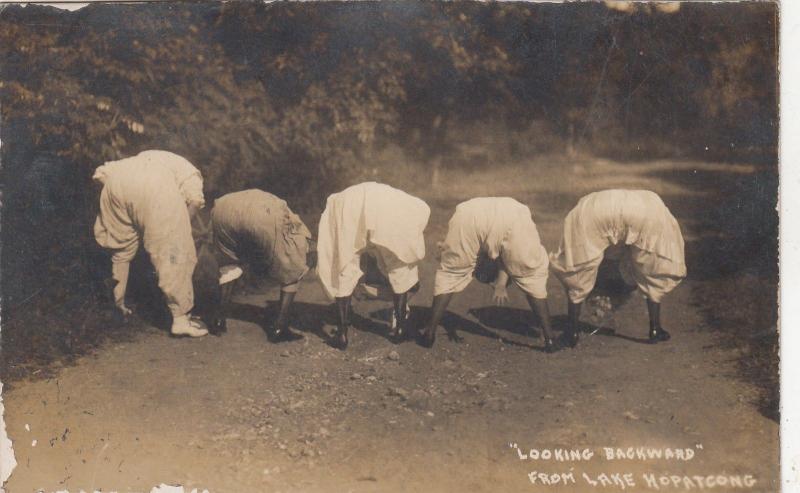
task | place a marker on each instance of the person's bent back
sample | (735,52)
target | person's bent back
(501,230)
(376,219)
(147,198)
(633,225)
(259,230)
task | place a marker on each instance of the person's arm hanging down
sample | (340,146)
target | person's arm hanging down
(500,296)
(428,335)
(120,272)
(121,258)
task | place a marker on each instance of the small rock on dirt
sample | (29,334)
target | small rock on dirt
(497,404)
(630,416)
(418,399)
(393,356)
(398,392)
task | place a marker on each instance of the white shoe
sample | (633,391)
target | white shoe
(228,273)
(191,329)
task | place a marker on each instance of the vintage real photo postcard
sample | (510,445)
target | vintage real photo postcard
(390,246)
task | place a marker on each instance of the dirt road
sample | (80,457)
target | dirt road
(235,413)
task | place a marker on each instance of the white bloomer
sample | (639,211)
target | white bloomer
(499,227)
(370,218)
(643,232)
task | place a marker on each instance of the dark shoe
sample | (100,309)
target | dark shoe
(218,327)
(658,335)
(340,339)
(282,334)
(427,337)
(119,319)
(550,346)
(399,332)
(454,337)
(570,339)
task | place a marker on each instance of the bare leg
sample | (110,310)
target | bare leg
(573,316)
(542,310)
(280,329)
(400,308)
(657,334)
(440,302)
(340,338)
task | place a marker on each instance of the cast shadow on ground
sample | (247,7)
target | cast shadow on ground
(514,320)
(307,318)
(453,324)
(586,329)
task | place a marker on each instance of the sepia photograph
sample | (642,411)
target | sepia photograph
(390,246)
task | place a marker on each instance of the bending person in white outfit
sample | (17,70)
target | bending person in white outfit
(150,197)
(632,225)
(375,219)
(498,229)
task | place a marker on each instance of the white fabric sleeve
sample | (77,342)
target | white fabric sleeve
(192,190)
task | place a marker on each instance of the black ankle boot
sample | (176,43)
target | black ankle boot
(399,332)
(219,327)
(281,334)
(453,336)
(550,346)
(571,339)
(658,335)
(427,338)
(340,338)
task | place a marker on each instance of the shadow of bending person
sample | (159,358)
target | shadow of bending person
(514,320)
(454,323)
(304,317)
(560,323)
